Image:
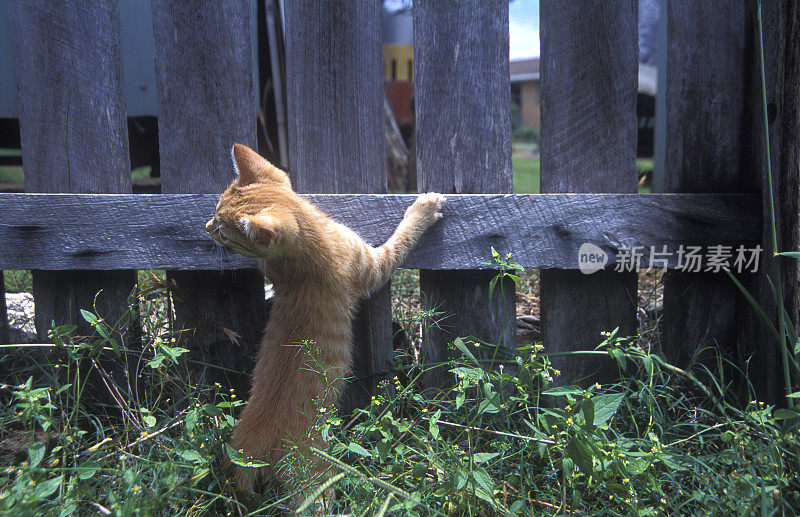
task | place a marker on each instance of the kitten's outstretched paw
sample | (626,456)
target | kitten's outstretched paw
(427,207)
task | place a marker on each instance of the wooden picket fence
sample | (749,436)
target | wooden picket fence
(80,230)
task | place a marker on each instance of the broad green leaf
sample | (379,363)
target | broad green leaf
(149,420)
(564,390)
(191,420)
(156,361)
(36,454)
(433,427)
(605,406)
(88,316)
(587,408)
(460,479)
(356,448)
(482,457)
(87,470)
(460,398)
(237,458)
(46,488)
(192,455)
(581,455)
(459,343)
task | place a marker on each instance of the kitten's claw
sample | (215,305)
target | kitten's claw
(428,207)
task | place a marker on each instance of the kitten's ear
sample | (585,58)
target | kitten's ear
(252,168)
(262,229)
(246,163)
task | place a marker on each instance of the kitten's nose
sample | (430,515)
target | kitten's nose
(210,225)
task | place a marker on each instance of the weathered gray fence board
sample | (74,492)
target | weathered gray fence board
(67,231)
(704,132)
(3,311)
(334,99)
(205,79)
(463,144)
(68,65)
(782,69)
(588,144)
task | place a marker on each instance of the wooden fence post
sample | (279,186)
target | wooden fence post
(3,311)
(68,65)
(588,143)
(706,101)
(205,79)
(781,25)
(334,102)
(463,141)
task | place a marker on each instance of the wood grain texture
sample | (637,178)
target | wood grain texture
(463,145)
(334,99)
(68,65)
(704,132)
(3,311)
(589,76)
(165,231)
(205,81)
(334,96)
(782,69)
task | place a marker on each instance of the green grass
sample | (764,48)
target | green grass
(78,437)
(14,174)
(18,281)
(526,175)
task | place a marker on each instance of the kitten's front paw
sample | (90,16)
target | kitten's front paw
(427,207)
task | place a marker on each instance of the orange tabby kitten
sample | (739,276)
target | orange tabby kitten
(319,269)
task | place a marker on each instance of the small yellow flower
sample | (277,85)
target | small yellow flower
(144,434)
(626,480)
(202,446)
(31,483)
(569,421)
(241,451)
(323,409)
(424,410)
(4,386)
(568,407)
(231,390)
(460,375)
(495,254)
(233,396)
(249,463)
(477,345)
(597,385)
(508,256)
(24,464)
(654,449)
(663,501)
(556,372)
(136,489)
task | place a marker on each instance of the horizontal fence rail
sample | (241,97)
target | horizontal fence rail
(166,231)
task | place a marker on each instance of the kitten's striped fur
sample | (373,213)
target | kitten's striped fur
(319,269)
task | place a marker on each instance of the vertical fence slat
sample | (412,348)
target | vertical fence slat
(463,142)
(68,64)
(782,69)
(3,311)
(588,144)
(205,80)
(705,97)
(334,106)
